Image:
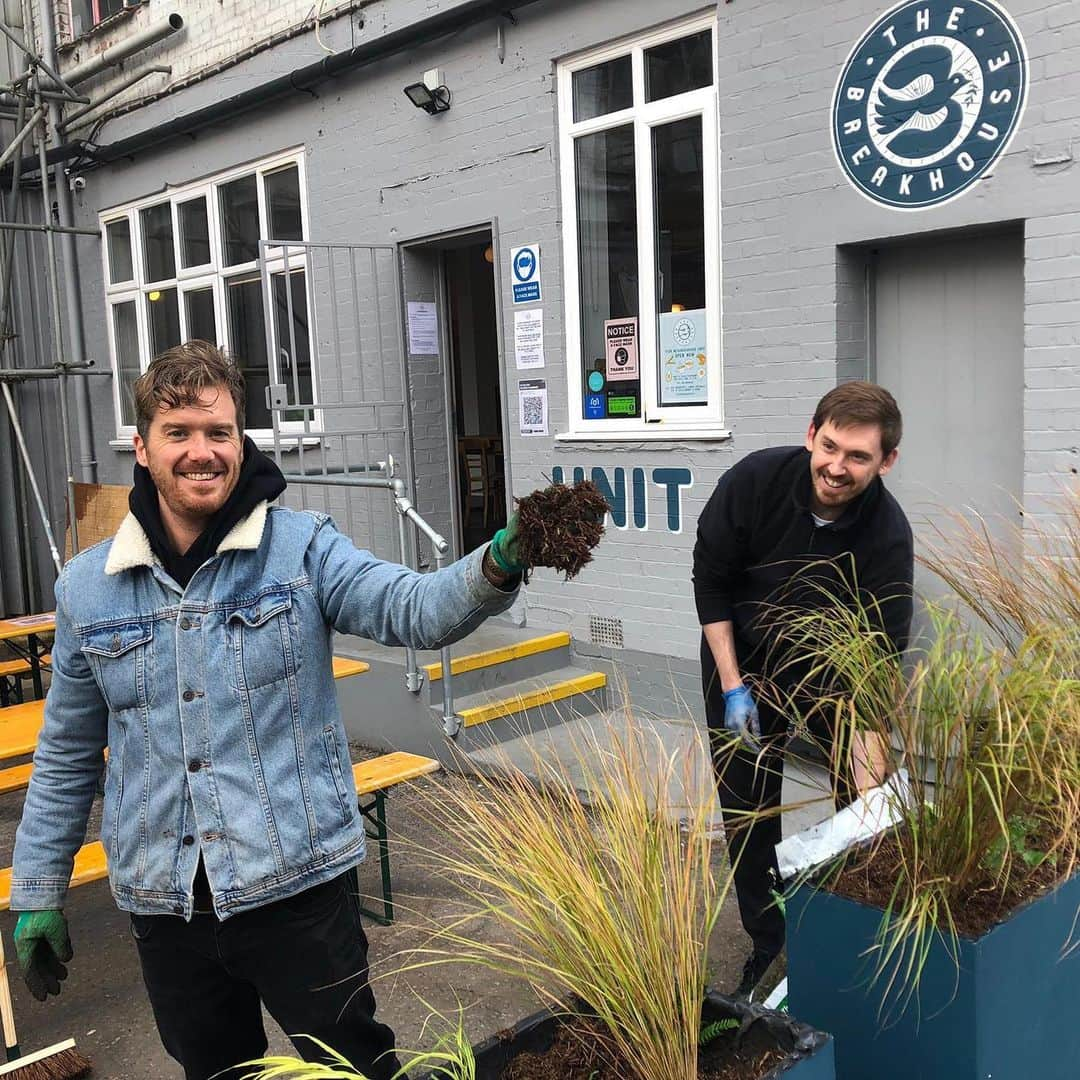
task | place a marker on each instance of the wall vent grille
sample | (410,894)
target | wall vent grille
(606,631)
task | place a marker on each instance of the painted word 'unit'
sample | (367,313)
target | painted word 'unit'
(629,503)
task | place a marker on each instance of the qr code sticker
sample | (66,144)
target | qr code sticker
(532,410)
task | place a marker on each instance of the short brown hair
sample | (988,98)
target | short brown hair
(862,403)
(180,375)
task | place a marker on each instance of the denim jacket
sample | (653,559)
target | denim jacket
(218,707)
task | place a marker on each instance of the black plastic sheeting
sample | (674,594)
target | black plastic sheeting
(535,1034)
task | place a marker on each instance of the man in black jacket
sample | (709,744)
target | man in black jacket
(787,527)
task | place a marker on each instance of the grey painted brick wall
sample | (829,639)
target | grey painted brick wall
(794,314)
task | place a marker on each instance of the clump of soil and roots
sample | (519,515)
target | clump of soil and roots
(560,525)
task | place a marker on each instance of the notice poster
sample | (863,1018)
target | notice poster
(529,338)
(423,329)
(684,361)
(621,349)
(533,406)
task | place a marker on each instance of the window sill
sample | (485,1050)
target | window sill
(107,23)
(657,434)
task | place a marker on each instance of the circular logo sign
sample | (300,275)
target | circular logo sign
(524,264)
(596,381)
(928,100)
(683,332)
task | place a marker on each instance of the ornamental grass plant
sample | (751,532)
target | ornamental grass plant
(606,901)
(984,715)
(582,881)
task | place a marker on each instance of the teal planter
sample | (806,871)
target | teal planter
(1010,1014)
(809,1053)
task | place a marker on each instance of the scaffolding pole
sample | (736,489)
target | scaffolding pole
(40,103)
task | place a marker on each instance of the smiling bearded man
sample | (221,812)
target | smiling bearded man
(792,526)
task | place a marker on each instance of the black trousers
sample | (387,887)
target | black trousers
(305,958)
(749,787)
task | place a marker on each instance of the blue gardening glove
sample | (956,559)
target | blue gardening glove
(43,947)
(741,715)
(504,548)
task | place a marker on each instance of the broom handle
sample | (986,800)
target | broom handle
(7,1013)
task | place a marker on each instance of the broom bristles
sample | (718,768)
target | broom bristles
(59,1062)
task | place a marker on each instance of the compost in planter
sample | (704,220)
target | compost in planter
(870,875)
(569,1045)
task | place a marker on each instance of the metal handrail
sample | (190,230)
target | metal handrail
(406,511)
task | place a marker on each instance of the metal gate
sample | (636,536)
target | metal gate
(337,395)
(337,389)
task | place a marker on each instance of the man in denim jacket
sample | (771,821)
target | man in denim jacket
(196,646)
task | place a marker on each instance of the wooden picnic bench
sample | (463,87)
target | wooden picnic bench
(30,658)
(373,779)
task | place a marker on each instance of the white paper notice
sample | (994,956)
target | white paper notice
(423,329)
(533,406)
(529,338)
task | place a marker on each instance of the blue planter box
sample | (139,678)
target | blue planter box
(810,1053)
(1011,1013)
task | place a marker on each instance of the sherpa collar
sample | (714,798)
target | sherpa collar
(131,546)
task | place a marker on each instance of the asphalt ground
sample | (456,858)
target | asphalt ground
(104,1007)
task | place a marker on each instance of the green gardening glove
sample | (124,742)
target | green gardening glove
(43,946)
(504,548)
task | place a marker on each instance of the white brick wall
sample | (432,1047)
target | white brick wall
(214,32)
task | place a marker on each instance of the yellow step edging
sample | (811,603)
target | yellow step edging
(491,657)
(345,666)
(544,695)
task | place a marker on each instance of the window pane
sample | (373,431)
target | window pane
(247,343)
(608,262)
(294,351)
(194,233)
(126,330)
(283,202)
(679,186)
(158,242)
(678,66)
(163,310)
(121,267)
(201,321)
(240,220)
(603,89)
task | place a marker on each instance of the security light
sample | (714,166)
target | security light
(430,99)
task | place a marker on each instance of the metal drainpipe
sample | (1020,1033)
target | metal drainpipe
(87,464)
(110,57)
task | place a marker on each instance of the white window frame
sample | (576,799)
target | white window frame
(214,274)
(656,421)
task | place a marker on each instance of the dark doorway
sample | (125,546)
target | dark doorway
(477,400)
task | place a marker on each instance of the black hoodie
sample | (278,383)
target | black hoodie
(259,479)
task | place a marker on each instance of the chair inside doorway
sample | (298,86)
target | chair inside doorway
(480,466)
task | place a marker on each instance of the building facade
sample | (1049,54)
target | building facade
(629,242)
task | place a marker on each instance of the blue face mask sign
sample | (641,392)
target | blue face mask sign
(928,100)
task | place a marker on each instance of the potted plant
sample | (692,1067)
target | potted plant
(942,948)
(605,910)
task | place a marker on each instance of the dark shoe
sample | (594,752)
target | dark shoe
(757,964)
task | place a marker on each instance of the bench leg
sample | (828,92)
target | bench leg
(35,666)
(374,813)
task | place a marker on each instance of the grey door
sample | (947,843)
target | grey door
(948,342)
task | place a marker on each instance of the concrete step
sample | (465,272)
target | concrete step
(490,669)
(527,705)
